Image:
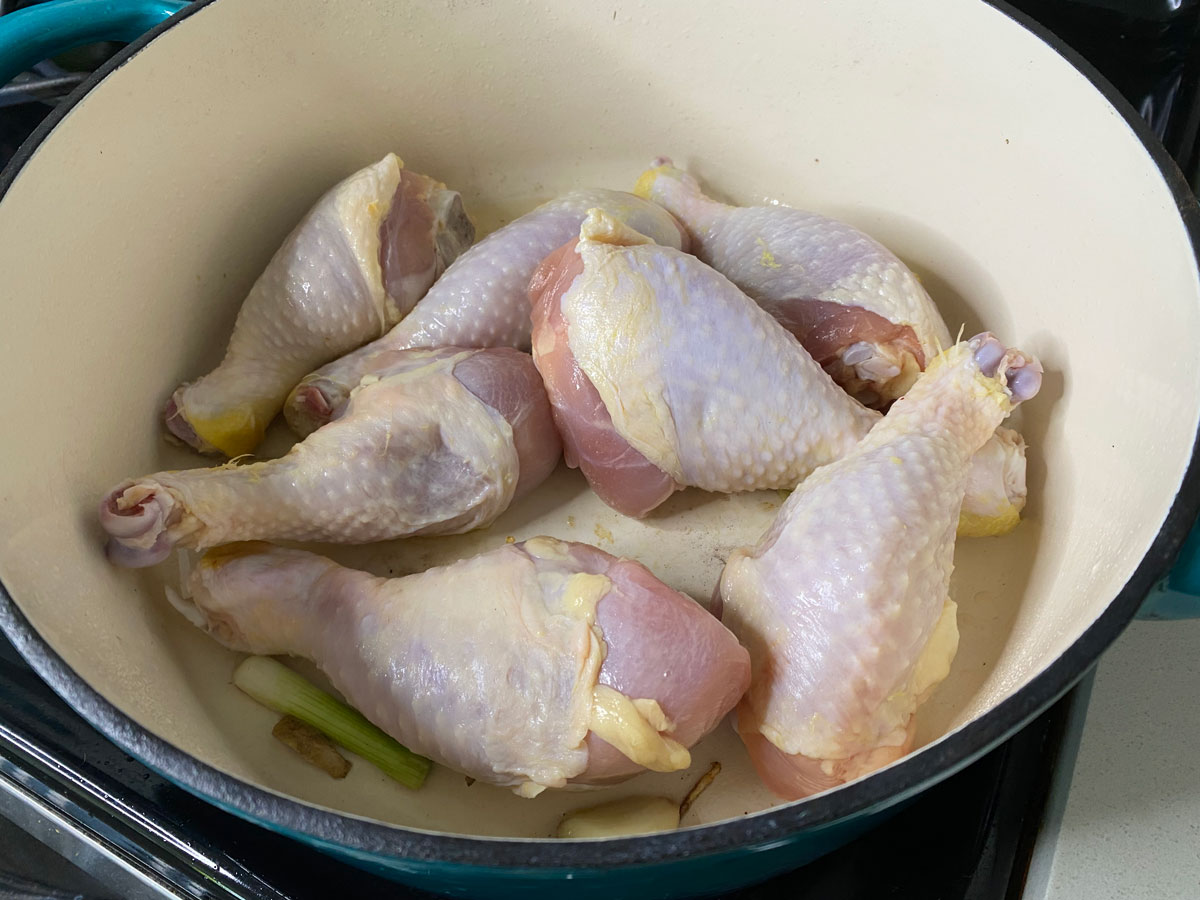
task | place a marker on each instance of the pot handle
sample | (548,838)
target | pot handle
(30,35)
(1178,595)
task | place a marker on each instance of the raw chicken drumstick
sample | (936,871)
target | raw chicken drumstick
(481,301)
(534,666)
(855,307)
(844,604)
(436,442)
(662,374)
(354,266)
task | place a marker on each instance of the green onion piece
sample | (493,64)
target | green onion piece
(276,686)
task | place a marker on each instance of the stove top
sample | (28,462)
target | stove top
(81,819)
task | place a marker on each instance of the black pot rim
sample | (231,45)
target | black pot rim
(337,830)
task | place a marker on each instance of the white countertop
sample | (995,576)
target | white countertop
(1128,827)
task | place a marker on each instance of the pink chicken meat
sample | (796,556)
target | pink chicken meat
(538,665)
(433,442)
(844,604)
(481,300)
(354,266)
(663,375)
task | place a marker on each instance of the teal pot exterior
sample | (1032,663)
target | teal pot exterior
(693,877)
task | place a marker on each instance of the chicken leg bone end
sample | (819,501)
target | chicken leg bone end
(1021,373)
(138,518)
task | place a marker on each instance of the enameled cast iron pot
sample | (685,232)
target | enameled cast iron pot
(1029,198)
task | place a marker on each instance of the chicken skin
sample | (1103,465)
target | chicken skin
(844,604)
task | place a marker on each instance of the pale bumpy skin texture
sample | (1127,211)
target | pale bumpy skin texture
(416,452)
(487,666)
(354,266)
(844,604)
(481,300)
(695,376)
(781,256)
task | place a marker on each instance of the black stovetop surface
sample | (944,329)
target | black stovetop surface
(969,838)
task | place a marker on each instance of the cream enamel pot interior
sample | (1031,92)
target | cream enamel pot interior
(1025,194)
